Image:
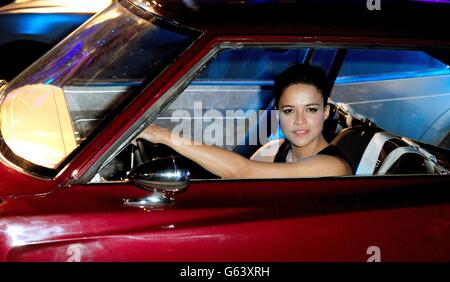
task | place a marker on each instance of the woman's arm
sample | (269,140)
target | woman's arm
(218,161)
(227,164)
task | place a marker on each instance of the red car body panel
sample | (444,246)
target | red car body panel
(14,183)
(330,220)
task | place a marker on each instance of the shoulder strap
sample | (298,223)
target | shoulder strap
(282,153)
(369,160)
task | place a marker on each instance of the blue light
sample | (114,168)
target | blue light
(339,80)
(49,81)
(433,1)
(278,135)
(369,78)
(234,82)
(47,24)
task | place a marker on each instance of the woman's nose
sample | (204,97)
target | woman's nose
(299,119)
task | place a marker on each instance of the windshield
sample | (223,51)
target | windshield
(52,107)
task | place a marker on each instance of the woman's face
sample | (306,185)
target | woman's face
(302,114)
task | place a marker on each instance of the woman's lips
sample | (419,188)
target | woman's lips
(300,132)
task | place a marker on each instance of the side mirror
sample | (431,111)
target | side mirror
(162,176)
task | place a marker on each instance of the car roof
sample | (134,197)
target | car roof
(412,19)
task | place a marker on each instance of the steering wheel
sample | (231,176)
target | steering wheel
(146,151)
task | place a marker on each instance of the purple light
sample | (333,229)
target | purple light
(433,1)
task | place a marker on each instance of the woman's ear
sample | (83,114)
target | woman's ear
(327,112)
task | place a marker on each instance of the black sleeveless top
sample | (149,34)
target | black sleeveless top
(330,150)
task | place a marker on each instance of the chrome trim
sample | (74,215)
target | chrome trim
(162,174)
(163,178)
(146,5)
(157,200)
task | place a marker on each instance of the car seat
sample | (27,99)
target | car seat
(331,123)
(373,151)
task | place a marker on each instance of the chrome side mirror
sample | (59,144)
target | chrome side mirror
(163,177)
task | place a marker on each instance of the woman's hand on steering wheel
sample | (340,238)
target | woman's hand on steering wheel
(153,134)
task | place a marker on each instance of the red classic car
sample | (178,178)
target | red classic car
(74,187)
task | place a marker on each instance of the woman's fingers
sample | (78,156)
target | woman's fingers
(142,135)
(151,133)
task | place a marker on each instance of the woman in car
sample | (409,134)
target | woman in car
(301,94)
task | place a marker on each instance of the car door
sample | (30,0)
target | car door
(346,219)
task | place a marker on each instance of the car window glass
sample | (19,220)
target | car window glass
(384,64)
(405,92)
(250,64)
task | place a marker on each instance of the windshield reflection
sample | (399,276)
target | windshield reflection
(53,106)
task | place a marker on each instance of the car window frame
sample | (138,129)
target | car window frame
(213,48)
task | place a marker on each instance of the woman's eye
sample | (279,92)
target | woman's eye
(288,111)
(311,110)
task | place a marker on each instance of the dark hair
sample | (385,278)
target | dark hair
(302,73)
